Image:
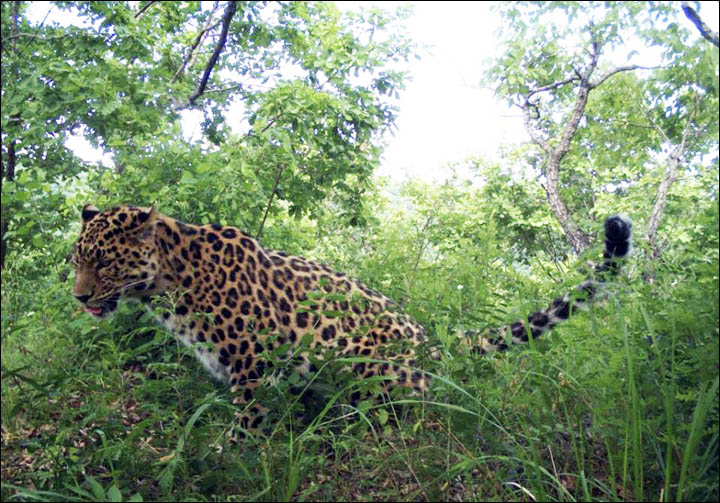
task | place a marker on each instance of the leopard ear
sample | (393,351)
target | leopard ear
(148,215)
(88,213)
(148,221)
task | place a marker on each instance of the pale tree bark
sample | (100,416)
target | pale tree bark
(660,200)
(584,81)
(671,175)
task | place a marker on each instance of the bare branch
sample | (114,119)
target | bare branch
(686,129)
(621,69)
(634,124)
(576,72)
(16,17)
(144,8)
(579,240)
(8,168)
(705,31)
(582,97)
(552,86)
(227,17)
(192,54)
(660,200)
(268,126)
(236,87)
(595,55)
(534,134)
(41,37)
(670,176)
(572,126)
(269,204)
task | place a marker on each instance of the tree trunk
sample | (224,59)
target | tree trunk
(9,175)
(8,169)
(579,240)
(670,176)
(659,206)
(585,82)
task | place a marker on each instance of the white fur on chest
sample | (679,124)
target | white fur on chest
(203,351)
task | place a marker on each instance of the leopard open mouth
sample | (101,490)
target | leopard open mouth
(103,309)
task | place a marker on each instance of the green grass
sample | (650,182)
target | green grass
(620,403)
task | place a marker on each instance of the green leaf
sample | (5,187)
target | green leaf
(383,416)
(114,494)
(96,488)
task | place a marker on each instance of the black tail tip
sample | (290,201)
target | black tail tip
(618,231)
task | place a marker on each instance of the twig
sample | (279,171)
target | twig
(552,86)
(269,204)
(227,17)
(269,124)
(145,7)
(622,69)
(225,89)
(534,133)
(41,37)
(193,54)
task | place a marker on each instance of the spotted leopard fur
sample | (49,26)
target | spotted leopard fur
(234,300)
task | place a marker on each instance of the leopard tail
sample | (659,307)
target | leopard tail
(618,233)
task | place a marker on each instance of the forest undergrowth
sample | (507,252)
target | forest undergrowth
(620,403)
(274,117)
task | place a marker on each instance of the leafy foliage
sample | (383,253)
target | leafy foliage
(640,120)
(301,94)
(620,403)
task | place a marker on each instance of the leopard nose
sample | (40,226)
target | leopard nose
(83,298)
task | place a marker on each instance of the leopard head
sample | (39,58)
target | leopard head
(115,256)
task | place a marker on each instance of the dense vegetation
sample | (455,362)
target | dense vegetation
(620,403)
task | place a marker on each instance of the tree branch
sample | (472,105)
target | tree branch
(550,87)
(9,175)
(7,171)
(236,87)
(669,178)
(227,17)
(269,204)
(581,101)
(534,134)
(705,31)
(144,8)
(190,58)
(579,240)
(581,78)
(621,69)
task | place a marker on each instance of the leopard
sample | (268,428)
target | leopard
(235,301)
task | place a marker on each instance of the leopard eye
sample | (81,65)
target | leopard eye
(103,262)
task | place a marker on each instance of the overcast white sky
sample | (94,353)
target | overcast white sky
(444,115)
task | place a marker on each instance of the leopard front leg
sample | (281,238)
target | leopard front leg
(244,382)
